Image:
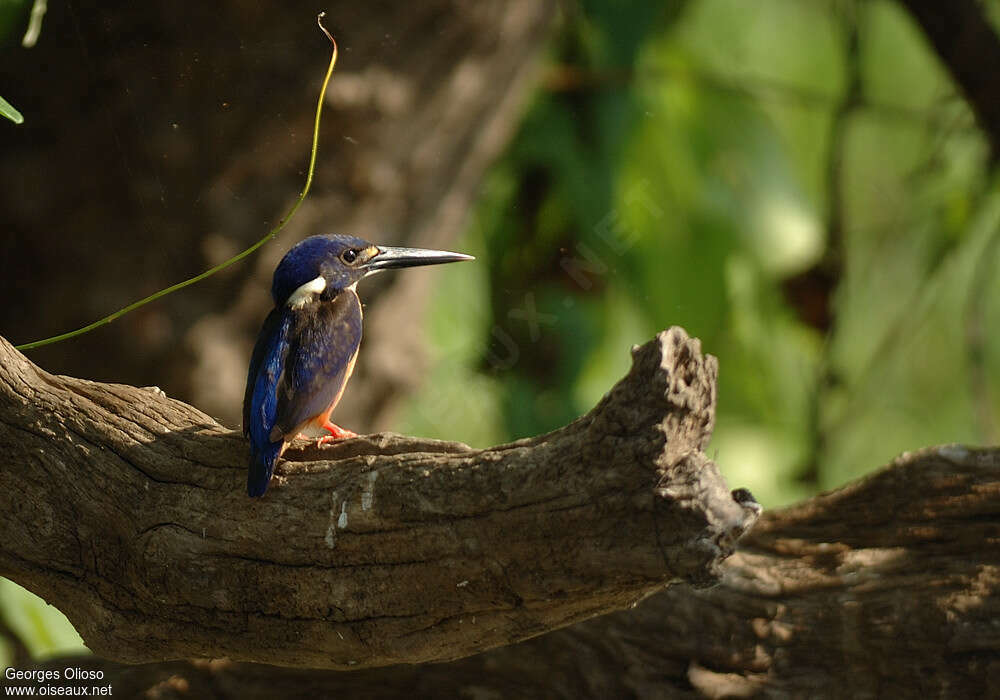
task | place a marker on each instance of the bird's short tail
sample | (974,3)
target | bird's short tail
(261,467)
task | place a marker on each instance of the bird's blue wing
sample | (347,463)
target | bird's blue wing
(323,344)
(260,405)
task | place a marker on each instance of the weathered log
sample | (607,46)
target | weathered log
(888,587)
(127,511)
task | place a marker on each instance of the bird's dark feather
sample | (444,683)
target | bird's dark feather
(259,402)
(270,333)
(323,343)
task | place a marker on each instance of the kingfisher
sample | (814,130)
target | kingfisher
(306,349)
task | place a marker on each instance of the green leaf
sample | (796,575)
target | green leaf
(43,628)
(7,110)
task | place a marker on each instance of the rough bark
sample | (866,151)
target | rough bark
(966,42)
(888,587)
(126,510)
(189,139)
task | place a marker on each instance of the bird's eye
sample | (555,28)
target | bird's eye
(349,256)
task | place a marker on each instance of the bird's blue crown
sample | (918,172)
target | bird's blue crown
(311,258)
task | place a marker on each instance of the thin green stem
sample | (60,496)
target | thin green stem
(239,256)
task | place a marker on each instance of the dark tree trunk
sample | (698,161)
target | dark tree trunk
(160,139)
(969,47)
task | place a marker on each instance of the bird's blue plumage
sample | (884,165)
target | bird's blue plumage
(261,402)
(311,257)
(322,346)
(300,365)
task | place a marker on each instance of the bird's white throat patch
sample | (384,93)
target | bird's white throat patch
(301,295)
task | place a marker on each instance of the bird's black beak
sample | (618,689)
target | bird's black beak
(389,258)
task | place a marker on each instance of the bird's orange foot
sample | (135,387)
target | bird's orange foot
(336,433)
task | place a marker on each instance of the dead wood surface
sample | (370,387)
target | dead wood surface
(126,510)
(887,587)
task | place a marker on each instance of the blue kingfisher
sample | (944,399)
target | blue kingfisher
(306,349)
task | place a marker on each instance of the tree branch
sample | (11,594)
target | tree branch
(965,41)
(126,510)
(888,583)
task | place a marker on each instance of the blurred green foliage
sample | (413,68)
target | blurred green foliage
(44,631)
(8,111)
(13,18)
(797,184)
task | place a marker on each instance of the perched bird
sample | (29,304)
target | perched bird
(306,349)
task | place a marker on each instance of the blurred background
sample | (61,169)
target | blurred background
(808,187)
